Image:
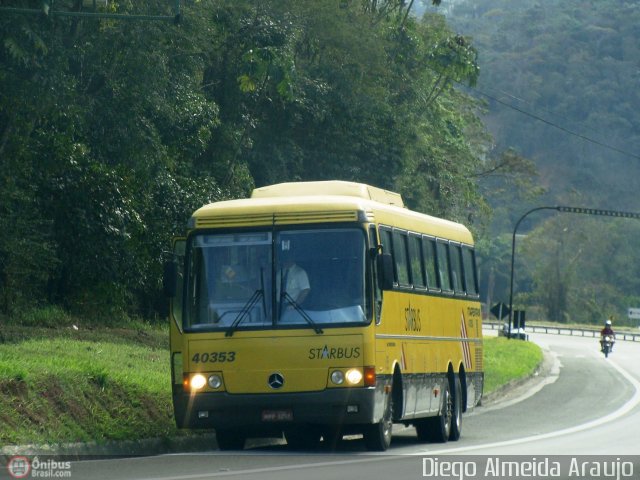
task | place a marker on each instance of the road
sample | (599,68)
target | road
(587,405)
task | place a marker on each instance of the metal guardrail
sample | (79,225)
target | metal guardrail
(581,332)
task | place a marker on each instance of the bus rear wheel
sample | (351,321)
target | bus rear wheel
(456,414)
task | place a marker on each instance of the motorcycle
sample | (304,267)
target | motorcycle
(607,344)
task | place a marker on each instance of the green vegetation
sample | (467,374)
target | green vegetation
(508,360)
(112,133)
(65,385)
(574,64)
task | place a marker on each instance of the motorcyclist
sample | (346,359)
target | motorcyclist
(607,331)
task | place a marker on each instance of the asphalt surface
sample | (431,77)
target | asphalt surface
(579,413)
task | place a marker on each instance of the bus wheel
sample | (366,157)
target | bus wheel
(377,437)
(423,429)
(303,438)
(456,414)
(437,429)
(229,440)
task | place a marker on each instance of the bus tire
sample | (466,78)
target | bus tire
(230,440)
(331,437)
(438,429)
(423,427)
(456,413)
(377,437)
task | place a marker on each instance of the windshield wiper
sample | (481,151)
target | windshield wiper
(301,311)
(244,312)
(249,305)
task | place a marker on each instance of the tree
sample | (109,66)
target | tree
(92,114)
(112,133)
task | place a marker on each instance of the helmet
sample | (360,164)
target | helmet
(608,323)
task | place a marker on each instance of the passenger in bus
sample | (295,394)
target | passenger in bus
(294,280)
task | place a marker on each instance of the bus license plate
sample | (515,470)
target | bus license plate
(277,415)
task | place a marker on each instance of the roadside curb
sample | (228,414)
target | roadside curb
(128,448)
(195,443)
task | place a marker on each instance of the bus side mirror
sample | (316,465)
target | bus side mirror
(170,279)
(385,271)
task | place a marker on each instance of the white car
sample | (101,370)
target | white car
(518,333)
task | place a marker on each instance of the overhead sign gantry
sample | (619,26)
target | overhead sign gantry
(563,209)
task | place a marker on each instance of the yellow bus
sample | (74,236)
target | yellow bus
(318,309)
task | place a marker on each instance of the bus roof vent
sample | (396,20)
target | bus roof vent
(330,187)
(217,221)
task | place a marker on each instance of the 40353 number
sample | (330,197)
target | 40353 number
(214,357)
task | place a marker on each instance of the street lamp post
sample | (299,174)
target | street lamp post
(587,211)
(513,257)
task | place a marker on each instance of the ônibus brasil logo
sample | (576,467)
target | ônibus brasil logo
(19,467)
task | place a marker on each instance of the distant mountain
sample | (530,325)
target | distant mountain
(561,79)
(570,72)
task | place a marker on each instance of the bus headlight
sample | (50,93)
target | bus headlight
(215,381)
(354,376)
(198,382)
(337,377)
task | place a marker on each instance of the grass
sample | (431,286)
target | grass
(66,385)
(86,383)
(508,360)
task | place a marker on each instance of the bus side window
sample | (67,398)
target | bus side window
(377,292)
(416,262)
(456,268)
(387,247)
(470,273)
(443,265)
(400,255)
(429,257)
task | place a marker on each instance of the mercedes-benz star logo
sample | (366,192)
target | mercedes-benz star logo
(276,381)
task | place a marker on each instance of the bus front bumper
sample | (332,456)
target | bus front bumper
(342,406)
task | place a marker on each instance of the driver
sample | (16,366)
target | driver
(295,279)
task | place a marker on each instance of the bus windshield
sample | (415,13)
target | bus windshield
(284,278)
